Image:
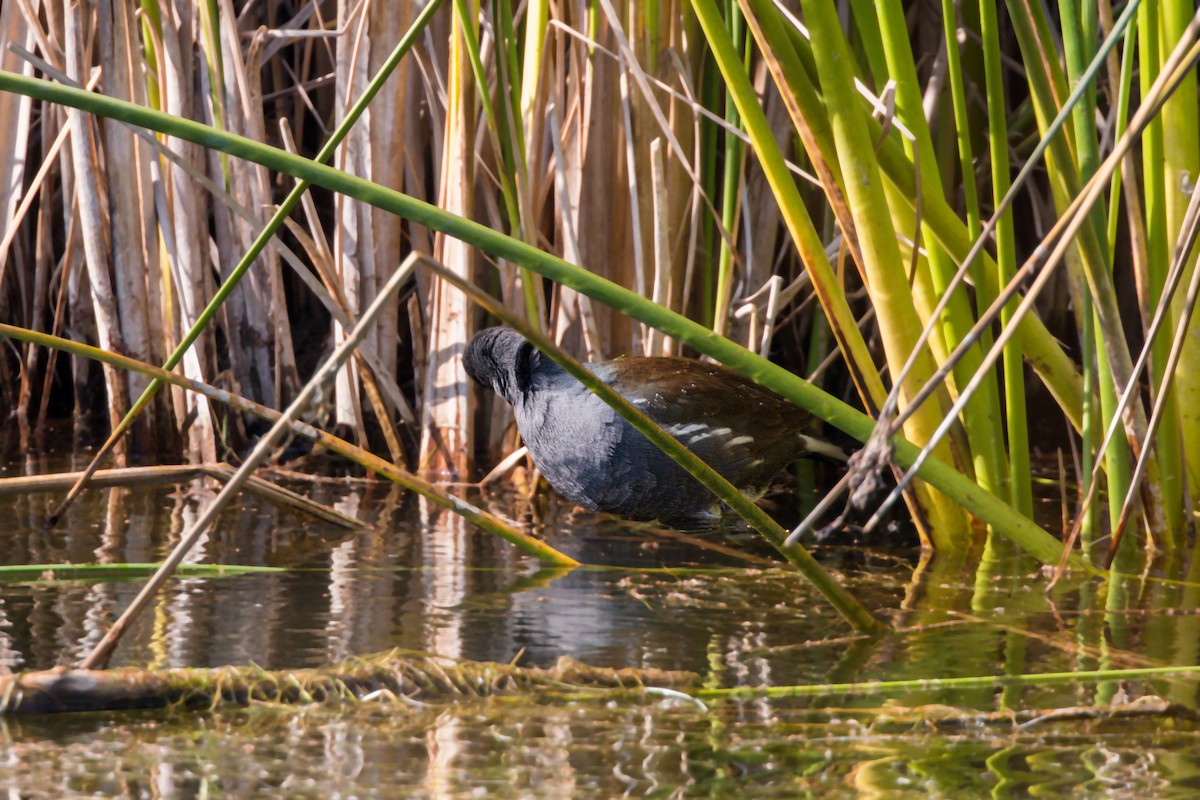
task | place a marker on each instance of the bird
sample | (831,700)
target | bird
(597,460)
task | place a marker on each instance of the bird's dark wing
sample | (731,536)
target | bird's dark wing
(747,432)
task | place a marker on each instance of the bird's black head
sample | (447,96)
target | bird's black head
(501,359)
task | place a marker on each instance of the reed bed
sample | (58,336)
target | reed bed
(985,248)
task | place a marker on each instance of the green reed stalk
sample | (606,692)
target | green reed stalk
(731,181)
(792,209)
(1019,470)
(790,68)
(505,136)
(527,127)
(962,135)
(1154,208)
(981,417)
(214,61)
(1168,453)
(1085,146)
(505,126)
(1038,346)
(1078,53)
(1047,83)
(1181,170)
(891,294)
(712,137)
(925,684)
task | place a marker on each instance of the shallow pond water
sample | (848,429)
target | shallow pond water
(420,579)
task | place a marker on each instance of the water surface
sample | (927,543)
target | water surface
(419,578)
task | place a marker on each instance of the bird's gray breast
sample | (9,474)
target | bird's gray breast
(573,437)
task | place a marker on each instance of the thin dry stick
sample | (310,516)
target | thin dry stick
(819,510)
(14,222)
(761,343)
(656,344)
(262,450)
(587,318)
(150,476)
(639,267)
(126,476)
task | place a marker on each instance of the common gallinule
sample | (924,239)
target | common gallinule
(597,460)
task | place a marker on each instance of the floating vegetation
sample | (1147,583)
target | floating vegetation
(411,678)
